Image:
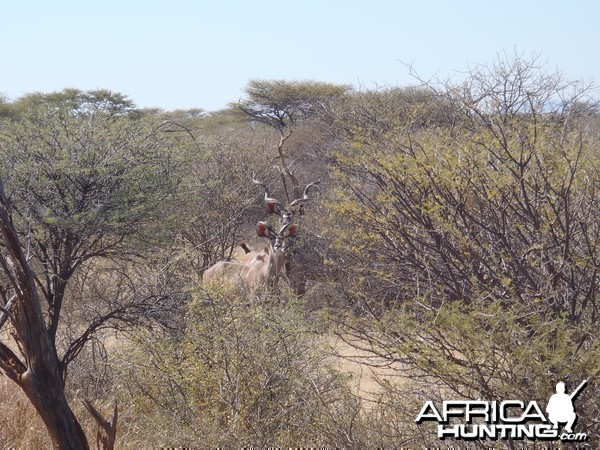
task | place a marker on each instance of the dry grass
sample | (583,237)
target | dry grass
(20,426)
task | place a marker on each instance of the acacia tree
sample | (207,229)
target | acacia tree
(284,106)
(86,176)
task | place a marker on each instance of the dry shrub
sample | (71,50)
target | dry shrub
(246,371)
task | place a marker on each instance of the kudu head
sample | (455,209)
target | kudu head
(266,267)
(277,240)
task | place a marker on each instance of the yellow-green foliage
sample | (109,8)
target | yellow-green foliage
(499,202)
(473,242)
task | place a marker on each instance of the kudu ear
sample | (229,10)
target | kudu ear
(290,230)
(263,229)
(244,247)
(273,207)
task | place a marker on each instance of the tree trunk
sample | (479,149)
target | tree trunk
(38,375)
(44,390)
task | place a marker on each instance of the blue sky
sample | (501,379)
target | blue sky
(201,54)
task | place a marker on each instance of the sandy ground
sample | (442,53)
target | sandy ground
(366,374)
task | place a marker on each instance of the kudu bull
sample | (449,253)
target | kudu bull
(267,266)
(262,268)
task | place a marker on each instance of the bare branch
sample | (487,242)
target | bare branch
(109,427)
(6,311)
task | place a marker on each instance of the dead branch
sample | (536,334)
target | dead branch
(108,427)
